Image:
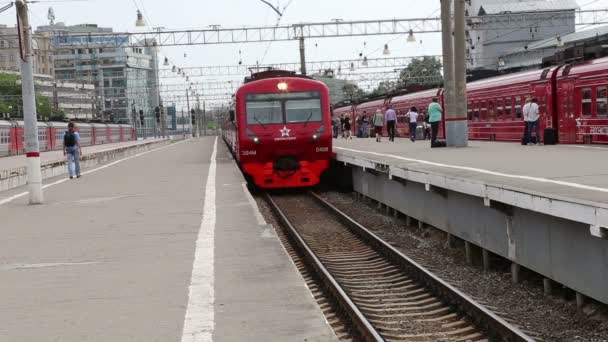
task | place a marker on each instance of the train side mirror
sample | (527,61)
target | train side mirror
(232,115)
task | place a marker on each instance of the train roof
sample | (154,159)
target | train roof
(425,93)
(343,109)
(593,66)
(5,123)
(510,79)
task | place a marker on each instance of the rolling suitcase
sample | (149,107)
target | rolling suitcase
(550,136)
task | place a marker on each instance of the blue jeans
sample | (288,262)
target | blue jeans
(73,154)
(531,126)
(413,126)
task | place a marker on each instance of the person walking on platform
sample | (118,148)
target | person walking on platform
(435,111)
(412,116)
(365,125)
(526,111)
(71,148)
(335,123)
(533,122)
(378,122)
(347,128)
(391,121)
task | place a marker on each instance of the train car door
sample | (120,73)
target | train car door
(568,124)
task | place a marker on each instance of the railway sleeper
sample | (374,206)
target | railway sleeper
(403,309)
(388,305)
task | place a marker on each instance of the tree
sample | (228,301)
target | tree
(421,71)
(353,92)
(11,100)
(384,88)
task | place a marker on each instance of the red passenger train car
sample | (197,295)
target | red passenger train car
(280,130)
(573,100)
(50,135)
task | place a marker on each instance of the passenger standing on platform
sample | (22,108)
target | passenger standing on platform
(342,125)
(434,113)
(426,127)
(365,125)
(391,122)
(335,123)
(526,111)
(71,148)
(412,116)
(378,122)
(533,122)
(347,128)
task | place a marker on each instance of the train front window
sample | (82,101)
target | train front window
(273,108)
(303,111)
(264,112)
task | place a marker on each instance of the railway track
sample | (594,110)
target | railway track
(381,293)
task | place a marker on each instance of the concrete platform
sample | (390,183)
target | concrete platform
(109,257)
(543,207)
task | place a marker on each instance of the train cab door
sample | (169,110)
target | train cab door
(567,112)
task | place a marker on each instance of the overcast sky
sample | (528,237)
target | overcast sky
(176,14)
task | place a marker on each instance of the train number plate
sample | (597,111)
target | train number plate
(249,153)
(322,149)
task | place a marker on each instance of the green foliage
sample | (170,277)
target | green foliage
(384,88)
(353,92)
(11,100)
(421,71)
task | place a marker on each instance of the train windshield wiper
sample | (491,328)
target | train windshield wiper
(258,121)
(308,120)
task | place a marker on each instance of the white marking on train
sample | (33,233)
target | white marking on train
(21,194)
(200,315)
(484,171)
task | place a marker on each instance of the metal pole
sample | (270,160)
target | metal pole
(32,147)
(302,55)
(448,63)
(183,124)
(163,121)
(190,113)
(204,119)
(457,128)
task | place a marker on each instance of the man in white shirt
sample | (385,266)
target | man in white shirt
(533,121)
(412,116)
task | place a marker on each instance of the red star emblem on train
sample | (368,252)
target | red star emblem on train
(284,132)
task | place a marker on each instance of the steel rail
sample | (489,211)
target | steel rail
(497,328)
(363,327)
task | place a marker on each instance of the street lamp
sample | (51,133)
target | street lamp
(560,42)
(386,51)
(140,20)
(410,37)
(501,62)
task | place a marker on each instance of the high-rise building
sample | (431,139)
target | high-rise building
(125,77)
(10,58)
(499,26)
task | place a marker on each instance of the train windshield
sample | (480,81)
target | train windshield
(297,107)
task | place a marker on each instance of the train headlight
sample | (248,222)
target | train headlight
(315,137)
(282,86)
(256,140)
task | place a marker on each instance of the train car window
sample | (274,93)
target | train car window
(586,101)
(483,111)
(499,109)
(476,111)
(508,108)
(491,110)
(566,71)
(602,100)
(517,103)
(470,111)
(544,74)
(303,110)
(264,112)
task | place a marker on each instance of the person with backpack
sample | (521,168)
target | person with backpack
(378,121)
(71,148)
(412,116)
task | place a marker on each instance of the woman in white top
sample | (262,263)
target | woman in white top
(412,116)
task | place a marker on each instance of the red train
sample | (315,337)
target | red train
(280,130)
(50,135)
(573,99)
